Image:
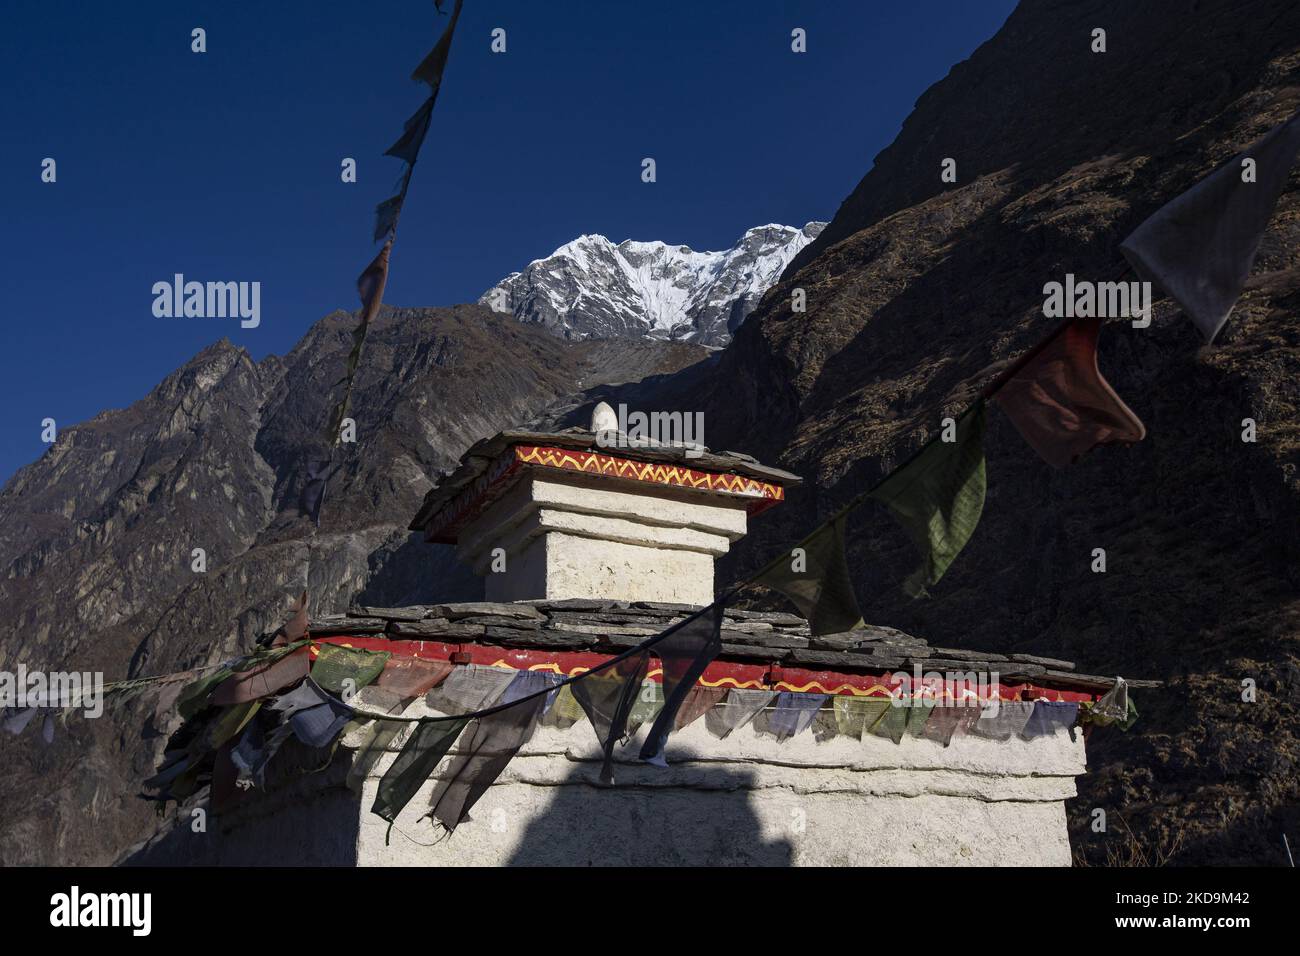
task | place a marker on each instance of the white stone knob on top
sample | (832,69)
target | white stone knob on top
(603,419)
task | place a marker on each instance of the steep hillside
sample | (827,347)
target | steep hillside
(96,537)
(918,289)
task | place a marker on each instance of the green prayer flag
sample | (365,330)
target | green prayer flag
(649,701)
(918,715)
(337,664)
(419,757)
(230,722)
(893,724)
(195,696)
(856,716)
(938,497)
(815,577)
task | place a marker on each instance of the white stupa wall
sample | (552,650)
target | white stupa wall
(581,536)
(747,799)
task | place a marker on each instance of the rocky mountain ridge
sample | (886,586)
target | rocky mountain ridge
(97,538)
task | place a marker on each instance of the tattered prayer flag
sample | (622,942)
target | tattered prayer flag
(918,716)
(318,726)
(792,714)
(228,723)
(685,651)
(1049,717)
(300,698)
(375,739)
(565,711)
(431,67)
(265,680)
(649,702)
(249,757)
(1003,720)
(419,757)
(469,688)
(388,211)
(1114,707)
(413,676)
(608,697)
(699,701)
(371,284)
(345,670)
(1200,246)
(489,746)
(938,497)
(949,721)
(195,696)
(894,722)
(407,147)
(739,707)
(314,716)
(856,716)
(1060,403)
(815,576)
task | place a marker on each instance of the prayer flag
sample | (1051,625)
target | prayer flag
(607,697)
(1003,720)
(857,716)
(489,747)
(1200,246)
(739,707)
(431,67)
(685,651)
(264,680)
(1049,717)
(792,714)
(699,701)
(469,688)
(413,676)
(345,670)
(938,497)
(815,576)
(1061,404)
(419,757)
(407,147)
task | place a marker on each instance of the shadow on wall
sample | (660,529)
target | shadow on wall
(712,823)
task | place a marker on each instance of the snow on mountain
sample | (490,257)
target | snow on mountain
(591,287)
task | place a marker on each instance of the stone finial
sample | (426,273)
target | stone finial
(603,418)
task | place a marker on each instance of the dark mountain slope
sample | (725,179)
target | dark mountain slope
(96,537)
(918,290)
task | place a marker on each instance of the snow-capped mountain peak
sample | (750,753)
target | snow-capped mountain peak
(592,287)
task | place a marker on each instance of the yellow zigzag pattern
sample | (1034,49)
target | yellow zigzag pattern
(654,472)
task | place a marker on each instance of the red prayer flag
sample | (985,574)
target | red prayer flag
(1060,403)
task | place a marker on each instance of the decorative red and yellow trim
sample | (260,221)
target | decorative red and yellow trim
(489,486)
(717,674)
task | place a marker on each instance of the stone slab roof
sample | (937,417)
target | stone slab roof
(482,454)
(771,637)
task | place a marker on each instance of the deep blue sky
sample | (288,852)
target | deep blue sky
(225,165)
